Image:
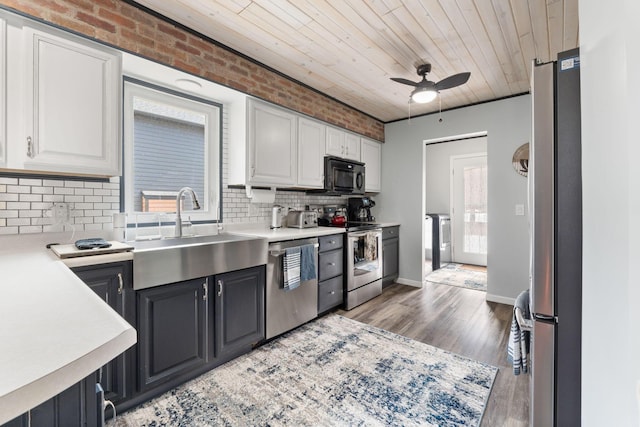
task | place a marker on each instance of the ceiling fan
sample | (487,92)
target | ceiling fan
(426,90)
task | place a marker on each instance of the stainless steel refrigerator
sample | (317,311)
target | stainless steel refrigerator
(555,197)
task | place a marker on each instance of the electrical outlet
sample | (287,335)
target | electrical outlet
(519,210)
(61,212)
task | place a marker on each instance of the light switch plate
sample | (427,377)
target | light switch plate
(519,210)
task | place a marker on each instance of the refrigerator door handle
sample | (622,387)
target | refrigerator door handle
(544,318)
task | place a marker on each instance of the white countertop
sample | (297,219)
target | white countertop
(54,330)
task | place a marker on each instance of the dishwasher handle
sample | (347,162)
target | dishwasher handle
(277,253)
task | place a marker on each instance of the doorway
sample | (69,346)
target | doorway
(466,154)
(469,209)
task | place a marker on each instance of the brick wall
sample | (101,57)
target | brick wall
(127,27)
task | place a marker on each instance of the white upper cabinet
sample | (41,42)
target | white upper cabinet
(3,94)
(311,149)
(271,132)
(335,142)
(371,157)
(64,102)
(352,146)
(342,144)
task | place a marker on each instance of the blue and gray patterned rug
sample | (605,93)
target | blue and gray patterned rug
(333,371)
(456,275)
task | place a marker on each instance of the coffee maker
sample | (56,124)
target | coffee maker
(359,209)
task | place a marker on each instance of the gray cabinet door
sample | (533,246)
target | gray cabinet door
(239,309)
(390,261)
(172,337)
(330,264)
(76,406)
(330,293)
(113,283)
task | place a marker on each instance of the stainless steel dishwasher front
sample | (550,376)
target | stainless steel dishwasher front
(287,309)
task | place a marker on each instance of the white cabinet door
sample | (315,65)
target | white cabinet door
(343,144)
(352,146)
(272,145)
(72,112)
(311,149)
(3,94)
(371,157)
(335,142)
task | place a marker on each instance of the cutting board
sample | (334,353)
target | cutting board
(70,250)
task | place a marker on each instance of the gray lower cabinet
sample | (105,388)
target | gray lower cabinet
(239,308)
(76,406)
(172,331)
(187,328)
(113,283)
(330,272)
(390,255)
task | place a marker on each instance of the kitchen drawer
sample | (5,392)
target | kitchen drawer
(329,264)
(329,243)
(390,232)
(330,294)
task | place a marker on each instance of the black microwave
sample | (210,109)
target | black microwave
(343,176)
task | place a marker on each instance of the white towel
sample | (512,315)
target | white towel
(291,268)
(518,348)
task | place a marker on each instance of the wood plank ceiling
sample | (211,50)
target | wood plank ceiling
(348,49)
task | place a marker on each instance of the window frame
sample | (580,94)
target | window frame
(211,202)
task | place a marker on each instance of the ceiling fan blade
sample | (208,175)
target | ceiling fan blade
(452,81)
(404,81)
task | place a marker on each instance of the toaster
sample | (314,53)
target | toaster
(302,219)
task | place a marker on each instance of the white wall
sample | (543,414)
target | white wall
(610,60)
(508,125)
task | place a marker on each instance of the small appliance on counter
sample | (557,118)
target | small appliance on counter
(302,219)
(359,209)
(276,216)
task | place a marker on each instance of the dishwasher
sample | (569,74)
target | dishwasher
(287,309)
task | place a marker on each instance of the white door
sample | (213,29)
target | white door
(469,209)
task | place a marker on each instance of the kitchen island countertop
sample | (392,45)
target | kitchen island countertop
(54,331)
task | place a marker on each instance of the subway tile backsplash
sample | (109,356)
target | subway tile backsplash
(26,204)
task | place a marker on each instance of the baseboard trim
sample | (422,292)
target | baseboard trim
(500,299)
(409,282)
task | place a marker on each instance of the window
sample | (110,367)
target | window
(171,140)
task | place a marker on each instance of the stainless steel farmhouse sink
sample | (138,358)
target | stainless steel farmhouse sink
(160,262)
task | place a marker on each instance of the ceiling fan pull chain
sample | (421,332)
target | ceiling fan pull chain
(440,108)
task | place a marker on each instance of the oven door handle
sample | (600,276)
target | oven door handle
(282,252)
(363,233)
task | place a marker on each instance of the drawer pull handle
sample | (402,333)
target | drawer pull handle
(219,288)
(120,284)
(205,287)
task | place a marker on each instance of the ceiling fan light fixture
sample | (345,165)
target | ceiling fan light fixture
(423,95)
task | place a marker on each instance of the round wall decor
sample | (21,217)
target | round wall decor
(520,159)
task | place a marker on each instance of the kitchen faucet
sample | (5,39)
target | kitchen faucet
(196,205)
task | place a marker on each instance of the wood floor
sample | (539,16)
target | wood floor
(461,321)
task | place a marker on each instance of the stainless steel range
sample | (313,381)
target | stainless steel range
(364,263)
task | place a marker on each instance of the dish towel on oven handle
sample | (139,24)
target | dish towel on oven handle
(371,246)
(291,268)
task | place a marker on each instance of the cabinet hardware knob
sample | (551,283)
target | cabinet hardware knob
(205,287)
(332,242)
(219,288)
(333,292)
(120,284)
(332,264)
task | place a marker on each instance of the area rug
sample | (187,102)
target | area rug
(330,372)
(455,275)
